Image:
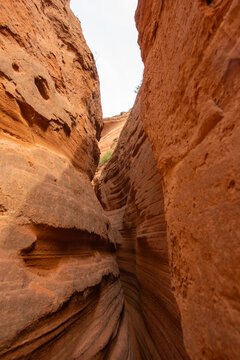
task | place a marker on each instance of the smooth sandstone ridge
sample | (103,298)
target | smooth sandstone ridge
(60,294)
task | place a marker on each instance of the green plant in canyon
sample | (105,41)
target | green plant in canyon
(106,157)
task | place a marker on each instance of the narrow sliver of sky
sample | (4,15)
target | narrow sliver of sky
(110,32)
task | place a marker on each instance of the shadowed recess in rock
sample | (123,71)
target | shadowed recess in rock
(55,245)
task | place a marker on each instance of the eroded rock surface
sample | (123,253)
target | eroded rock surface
(112,128)
(130,191)
(60,294)
(190,112)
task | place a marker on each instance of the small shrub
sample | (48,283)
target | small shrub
(105,157)
(137,88)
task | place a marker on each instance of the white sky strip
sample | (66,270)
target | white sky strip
(109,29)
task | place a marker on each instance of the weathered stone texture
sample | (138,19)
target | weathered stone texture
(112,128)
(60,294)
(190,112)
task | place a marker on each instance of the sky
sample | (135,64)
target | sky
(110,32)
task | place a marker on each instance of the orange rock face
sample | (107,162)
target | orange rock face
(131,193)
(60,294)
(49,83)
(190,112)
(112,128)
(111,131)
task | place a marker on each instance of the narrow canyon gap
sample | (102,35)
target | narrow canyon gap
(147,265)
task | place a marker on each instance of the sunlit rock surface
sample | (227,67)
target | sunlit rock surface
(112,128)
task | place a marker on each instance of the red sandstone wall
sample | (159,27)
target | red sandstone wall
(60,294)
(190,112)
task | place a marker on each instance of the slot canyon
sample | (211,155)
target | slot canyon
(136,257)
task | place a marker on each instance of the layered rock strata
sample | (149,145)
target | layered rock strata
(190,112)
(130,191)
(60,294)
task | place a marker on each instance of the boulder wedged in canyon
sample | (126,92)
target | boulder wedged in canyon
(130,191)
(190,112)
(60,294)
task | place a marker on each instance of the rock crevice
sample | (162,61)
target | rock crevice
(130,190)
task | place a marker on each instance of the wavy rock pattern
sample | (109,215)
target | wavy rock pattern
(60,294)
(130,191)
